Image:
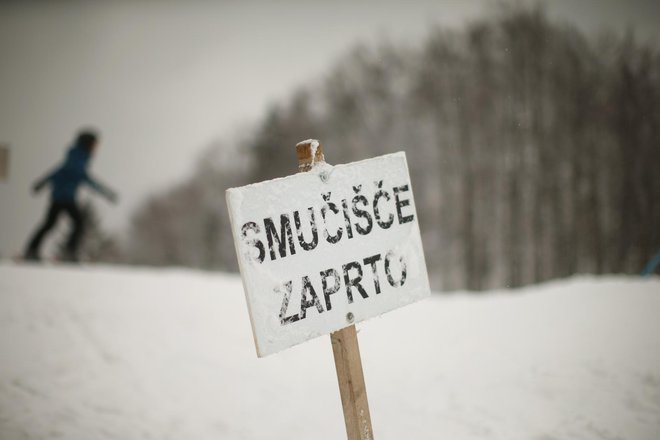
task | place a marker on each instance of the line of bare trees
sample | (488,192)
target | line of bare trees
(534,152)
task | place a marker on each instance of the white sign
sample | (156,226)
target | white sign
(321,250)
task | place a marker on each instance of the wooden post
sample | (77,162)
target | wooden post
(351,384)
(344,342)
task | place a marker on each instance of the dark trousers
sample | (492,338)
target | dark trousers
(73,242)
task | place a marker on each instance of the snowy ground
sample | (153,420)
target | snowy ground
(114,353)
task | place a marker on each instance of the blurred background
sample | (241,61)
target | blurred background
(532,129)
(532,132)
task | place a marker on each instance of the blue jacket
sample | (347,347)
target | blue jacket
(66,179)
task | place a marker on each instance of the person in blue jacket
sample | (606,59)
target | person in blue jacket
(64,183)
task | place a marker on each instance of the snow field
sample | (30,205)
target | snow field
(105,353)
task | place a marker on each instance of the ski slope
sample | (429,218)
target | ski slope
(118,353)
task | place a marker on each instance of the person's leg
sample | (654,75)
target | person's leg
(77,230)
(32,251)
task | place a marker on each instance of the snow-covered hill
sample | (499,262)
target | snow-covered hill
(115,353)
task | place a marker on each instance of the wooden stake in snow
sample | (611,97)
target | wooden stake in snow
(344,342)
(324,249)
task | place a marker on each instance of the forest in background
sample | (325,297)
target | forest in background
(533,149)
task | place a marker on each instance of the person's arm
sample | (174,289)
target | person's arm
(101,189)
(39,184)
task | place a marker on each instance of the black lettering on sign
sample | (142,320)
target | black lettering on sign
(374,270)
(324,211)
(388,272)
(255,242)
(379,195)
(351,282)
(308,246)
(347,219)
(401,204)
(285,236)
(288,288)
(327,291)
(395,270)
(306,303)
(358,200)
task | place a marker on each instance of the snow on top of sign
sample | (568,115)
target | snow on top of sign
(317,169)
(321,167)
(308,141)
(314,145)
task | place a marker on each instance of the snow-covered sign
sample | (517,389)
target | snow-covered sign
(321,250)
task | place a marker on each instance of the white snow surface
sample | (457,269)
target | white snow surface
(117,353)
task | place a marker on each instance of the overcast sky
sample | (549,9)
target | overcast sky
(163,80)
